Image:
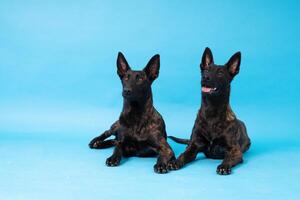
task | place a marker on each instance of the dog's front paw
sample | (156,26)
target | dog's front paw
(224,169)
(161,168)
(175,165)
(113,161)
(95,143)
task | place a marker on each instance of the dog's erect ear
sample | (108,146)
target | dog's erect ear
(152,68)
(233,65)
(122,65)
(207,58)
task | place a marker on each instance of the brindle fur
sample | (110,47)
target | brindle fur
(140,130)
(216,132)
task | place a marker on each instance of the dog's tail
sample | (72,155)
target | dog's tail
(179,140)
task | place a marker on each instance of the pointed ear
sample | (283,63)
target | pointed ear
(122,65)
(207,58)
(233,65)
(152,68)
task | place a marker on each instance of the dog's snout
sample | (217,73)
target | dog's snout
(127,91)
(206,77)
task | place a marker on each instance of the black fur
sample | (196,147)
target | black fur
(140,130)
(216,132)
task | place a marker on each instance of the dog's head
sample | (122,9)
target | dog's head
(216,79)
(137,84)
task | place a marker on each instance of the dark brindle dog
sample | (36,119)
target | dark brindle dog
(217,132)
(140,130)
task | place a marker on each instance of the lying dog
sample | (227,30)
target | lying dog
(216,132)
(140,130)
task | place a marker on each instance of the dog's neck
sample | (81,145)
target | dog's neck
(216,106)
(134,110)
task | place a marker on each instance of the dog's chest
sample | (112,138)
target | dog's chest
(140,129)
(137,132)
(211,130)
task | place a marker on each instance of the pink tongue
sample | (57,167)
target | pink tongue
(205,89)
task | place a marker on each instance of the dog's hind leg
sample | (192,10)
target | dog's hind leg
(99,143)
(244,140)
(232,157)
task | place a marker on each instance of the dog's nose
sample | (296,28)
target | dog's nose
(127,91)
(206,77)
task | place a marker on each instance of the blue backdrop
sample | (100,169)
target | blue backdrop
(59,89)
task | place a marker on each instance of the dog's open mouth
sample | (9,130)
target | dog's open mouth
(206,89)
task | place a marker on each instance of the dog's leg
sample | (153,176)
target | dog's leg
(165,155)
(233,157)
(99,143)
(188,156)
(115,158)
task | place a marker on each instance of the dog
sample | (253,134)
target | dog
(216,132)
(140,130)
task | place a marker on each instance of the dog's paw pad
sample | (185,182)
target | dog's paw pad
(224,169)
(113,161)
(160,168)
(95,143)
(174,165)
